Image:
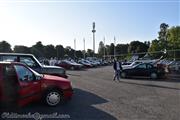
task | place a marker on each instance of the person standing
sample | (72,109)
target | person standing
(117,68)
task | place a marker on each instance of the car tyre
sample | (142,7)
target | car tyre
(123,75)
(53,97)
(153,75)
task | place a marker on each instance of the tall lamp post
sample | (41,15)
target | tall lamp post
(93,31)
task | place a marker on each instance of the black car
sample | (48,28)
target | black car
(33,63)
(144,70)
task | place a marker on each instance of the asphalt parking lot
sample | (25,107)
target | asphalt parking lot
(98,97)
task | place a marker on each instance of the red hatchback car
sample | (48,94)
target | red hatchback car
(21,85)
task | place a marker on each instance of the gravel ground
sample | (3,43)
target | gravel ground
(98,97)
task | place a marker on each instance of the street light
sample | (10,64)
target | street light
(93,31)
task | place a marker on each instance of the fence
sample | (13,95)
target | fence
(167,54)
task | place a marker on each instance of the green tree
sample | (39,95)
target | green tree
(79,54)
(90,52)
(5,47)
(38,49)
(60,51)
(168,39)
(111,49)
(101,49)
(107,49)
(49,51)
(174,41)
(21,49)
(155,49)
(69,52)
(137,47)
(122,49)
(163,36)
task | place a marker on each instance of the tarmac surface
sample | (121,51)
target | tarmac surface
(98,97)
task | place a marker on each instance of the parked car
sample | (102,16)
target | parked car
(21,84)
(104,62)
(33,63)
(174,66)
(86,64)
(92,62)
(70,65)
(143,69)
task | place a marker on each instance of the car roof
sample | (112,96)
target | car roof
(16,54)
(7,62)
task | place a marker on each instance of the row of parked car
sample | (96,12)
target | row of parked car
(81,64)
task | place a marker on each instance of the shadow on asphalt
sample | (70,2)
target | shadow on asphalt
(149,85)
(80,107)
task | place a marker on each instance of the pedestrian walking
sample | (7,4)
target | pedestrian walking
(117,69)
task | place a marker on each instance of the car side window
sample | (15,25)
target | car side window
(28,61)
(9,71)
(23,73)
(142,66)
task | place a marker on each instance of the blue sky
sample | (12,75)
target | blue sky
(60,22)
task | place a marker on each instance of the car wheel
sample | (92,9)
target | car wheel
(123,75)
(72,67)
(153,76)
(53,97)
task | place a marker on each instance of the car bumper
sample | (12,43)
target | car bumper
(68,93)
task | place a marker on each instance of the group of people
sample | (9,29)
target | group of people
(117,69)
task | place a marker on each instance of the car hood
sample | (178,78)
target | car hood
(45,66)
(76,64)
(54,78)
(127,67)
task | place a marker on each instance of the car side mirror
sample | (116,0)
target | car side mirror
(38,77)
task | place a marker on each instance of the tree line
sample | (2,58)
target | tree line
(167,44)
(168,40)
(45,51)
